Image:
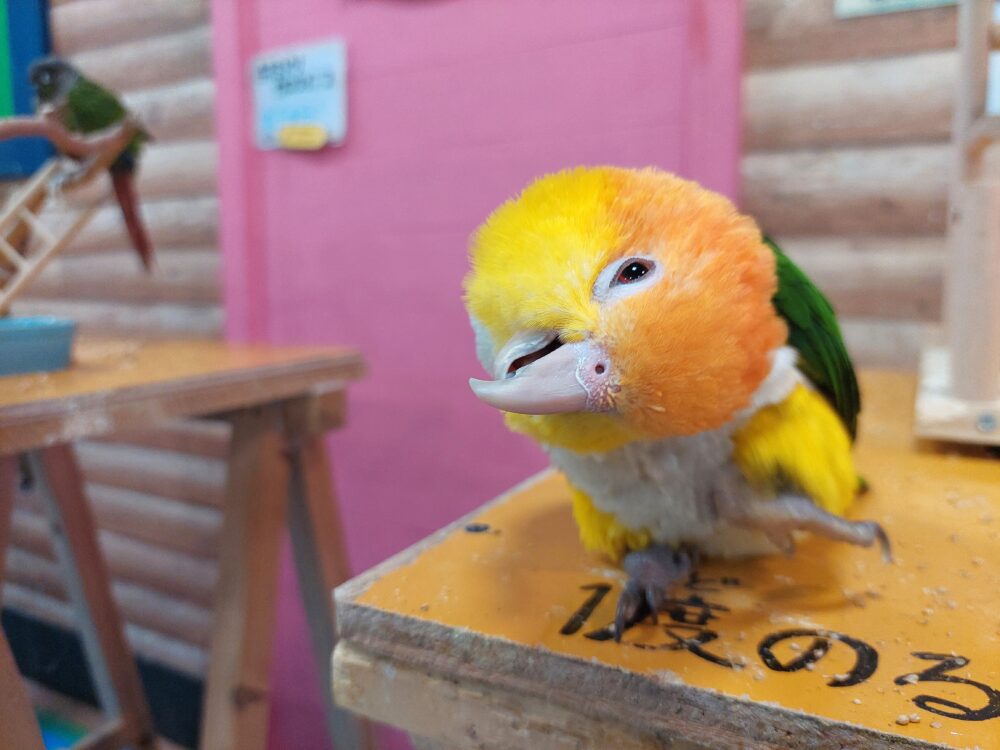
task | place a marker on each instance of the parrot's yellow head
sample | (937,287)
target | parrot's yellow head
(613,305)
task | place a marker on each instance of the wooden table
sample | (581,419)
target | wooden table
(280,401)
(494,633)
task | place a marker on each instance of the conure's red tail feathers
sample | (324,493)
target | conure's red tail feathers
(127,200)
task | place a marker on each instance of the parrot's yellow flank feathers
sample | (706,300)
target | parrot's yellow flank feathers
(601,534)
(799,445)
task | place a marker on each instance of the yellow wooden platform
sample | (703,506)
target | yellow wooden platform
(504,615)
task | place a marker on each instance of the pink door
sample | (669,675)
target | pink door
(453,106)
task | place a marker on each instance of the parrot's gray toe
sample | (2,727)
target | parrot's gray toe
(883,541)
(651,572)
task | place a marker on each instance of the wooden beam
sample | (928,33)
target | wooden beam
(859,102)
(166,320)
(786,32)
(183,110)
(154,61)
(181,276)
(888,191)
(902,285)
(177,575)
(153,473)
(873,342)
(156,647)
(188,222)
(167,170)
(196,437)
(90,24)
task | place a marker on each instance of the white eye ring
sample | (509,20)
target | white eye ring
(610,286)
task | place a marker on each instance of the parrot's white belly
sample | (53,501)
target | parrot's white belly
(666,487)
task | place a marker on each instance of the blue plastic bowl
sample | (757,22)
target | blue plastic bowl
(35,344)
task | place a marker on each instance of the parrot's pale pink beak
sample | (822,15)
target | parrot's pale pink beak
(536,373)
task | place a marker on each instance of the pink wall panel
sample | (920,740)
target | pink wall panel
(454,105)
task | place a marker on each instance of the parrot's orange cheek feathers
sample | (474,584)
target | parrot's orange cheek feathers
(690,357)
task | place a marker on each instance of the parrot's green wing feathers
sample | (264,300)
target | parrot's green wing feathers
(93,106)
(814,333)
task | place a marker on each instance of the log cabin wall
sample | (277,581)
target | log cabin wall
(847,160)
(155,494)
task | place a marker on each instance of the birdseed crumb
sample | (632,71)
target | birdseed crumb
(911,679)
(810,666)
(935,725)
(856,701)
(902,720)
(914,718)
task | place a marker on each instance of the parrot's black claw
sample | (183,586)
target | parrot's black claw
(651,572)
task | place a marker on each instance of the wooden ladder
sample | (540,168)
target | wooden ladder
(27,244)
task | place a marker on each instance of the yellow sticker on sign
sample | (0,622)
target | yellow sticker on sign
(303,137)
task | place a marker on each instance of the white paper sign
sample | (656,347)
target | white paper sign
(301,88)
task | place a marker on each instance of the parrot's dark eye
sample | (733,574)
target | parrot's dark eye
(632,270)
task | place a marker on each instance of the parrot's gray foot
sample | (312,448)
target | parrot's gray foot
(651,572)
(780,517)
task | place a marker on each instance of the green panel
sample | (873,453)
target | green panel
(6,81)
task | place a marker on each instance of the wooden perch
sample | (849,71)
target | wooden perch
(112,139)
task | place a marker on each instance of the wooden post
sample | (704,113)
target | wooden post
(18,729)
(113,668)
(973,311)
(237,699)
(959,397)
(974,234)
(321,562)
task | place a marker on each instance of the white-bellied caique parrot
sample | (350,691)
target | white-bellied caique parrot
(83,106)
(687,378)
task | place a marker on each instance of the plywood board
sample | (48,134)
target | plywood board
(832,646)
(118,385)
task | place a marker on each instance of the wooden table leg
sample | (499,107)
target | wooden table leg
(8,475)
(321,562)
(237,692)
(18,727)
(113,668)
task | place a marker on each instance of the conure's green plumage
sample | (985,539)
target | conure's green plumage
(92,107)
(84,106)
(813,332)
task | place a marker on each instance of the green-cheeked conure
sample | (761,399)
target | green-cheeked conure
(84,106)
